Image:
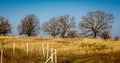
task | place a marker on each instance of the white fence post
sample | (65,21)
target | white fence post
(13,48)
(55,56)
(47,52)
(51,56)
(43,51)
(1,55)
(27,47)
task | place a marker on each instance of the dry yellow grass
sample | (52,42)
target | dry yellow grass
(67,48)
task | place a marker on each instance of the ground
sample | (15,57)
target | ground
(69,50)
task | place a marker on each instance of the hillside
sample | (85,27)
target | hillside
(68,50)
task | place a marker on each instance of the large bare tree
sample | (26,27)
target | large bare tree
(66,24)
(51,27)
(5,26)
(94,22)
(29,25)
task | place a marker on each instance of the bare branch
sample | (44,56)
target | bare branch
(29,25)
(95,22)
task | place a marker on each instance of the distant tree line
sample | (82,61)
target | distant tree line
(95,24)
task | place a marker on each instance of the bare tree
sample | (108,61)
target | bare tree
(105,34)
(66,23)
(116,37)
(94,22)
(51,27)
(5,26)
(29,25)
(72,34)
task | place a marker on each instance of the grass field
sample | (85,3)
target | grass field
(68,50)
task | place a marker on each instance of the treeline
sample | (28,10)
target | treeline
(95,24)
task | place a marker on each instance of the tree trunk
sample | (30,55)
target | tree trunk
(94,35)
(29,35)
(53,36)
(4,34)
(63,35)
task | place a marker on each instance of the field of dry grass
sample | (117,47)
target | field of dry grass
(68,50)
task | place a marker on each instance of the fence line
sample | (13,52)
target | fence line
(53,53)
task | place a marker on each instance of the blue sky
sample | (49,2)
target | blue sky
(16,10)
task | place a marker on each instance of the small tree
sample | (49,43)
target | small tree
(29,25)
(5,26)
(72,34)
(105,35)
(116,37)
(95,22)
(51,27)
